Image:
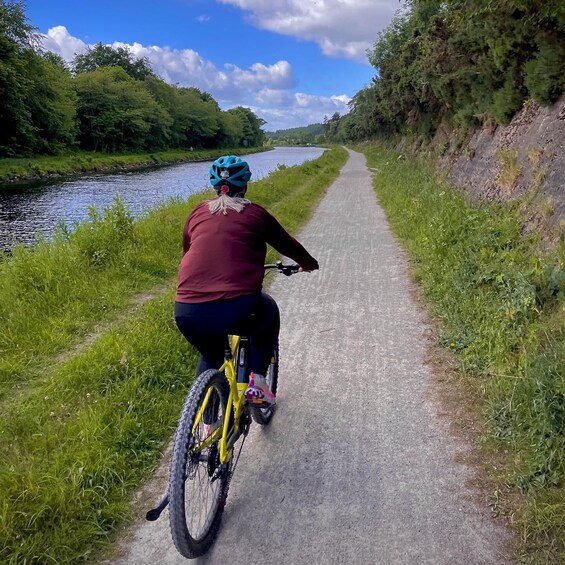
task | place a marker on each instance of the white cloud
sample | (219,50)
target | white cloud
(187,68)
(282,110)
(203,18)
(60,41)
(277,76)
(263,88)
(342,28)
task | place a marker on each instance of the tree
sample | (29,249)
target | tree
(52,103)
(37,100)
(230,131)
(202,117)
(106,56)
(251,133)
(116,112)
(17,39)
(15,31)
(332,126)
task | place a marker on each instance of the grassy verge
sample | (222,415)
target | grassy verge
(88,426)
(500,302)
(35,168)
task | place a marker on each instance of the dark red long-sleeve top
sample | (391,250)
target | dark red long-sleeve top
(224,254)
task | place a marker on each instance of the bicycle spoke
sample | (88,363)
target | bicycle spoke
(201,494)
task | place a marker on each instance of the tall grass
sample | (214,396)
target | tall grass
(90,424)
(501,304)
(51,295)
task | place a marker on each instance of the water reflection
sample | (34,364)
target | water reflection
(34,210)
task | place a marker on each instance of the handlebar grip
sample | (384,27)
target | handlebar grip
(290,269)
(282,268)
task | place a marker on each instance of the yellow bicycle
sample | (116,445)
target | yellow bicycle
(214,416)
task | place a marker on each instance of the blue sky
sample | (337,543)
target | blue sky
(290,61)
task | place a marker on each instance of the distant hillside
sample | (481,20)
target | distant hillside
(298,135)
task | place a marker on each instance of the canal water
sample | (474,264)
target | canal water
(27,212)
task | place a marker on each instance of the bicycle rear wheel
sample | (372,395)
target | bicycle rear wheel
(198,484)
(263,416)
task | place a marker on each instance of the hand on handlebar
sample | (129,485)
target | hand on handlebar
(287,269)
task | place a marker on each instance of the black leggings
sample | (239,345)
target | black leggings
(206,325)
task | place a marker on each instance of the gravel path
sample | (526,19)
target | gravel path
(358,467)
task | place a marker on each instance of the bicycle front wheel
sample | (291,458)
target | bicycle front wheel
(198,484)
(264,416)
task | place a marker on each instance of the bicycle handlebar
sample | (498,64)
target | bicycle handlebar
(284,269)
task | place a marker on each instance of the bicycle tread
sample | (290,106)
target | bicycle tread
(185,544)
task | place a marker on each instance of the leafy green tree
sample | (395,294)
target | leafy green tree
(118,113)
(251,133)
(332,126)
(37,99)
(544,74)
(230,130)
(199,116)
(100,56)
(17,40)
(195,115)
(168,97)
(52,103)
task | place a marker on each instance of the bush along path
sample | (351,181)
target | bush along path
(499,296)
(82,426)
(358,465)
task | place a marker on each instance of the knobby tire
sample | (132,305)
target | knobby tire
(191,472)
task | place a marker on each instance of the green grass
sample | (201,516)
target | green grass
(500,303)
(80,162)
(81,429)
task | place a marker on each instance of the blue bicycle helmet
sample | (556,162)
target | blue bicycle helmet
(230,171)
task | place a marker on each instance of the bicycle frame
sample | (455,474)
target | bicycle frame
(236,400)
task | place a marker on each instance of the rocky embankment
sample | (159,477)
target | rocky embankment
(524,158)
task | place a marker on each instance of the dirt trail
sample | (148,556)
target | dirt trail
(358,466)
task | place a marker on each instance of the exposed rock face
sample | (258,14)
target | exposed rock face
(525,157)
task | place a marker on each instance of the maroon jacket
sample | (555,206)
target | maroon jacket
(224,254)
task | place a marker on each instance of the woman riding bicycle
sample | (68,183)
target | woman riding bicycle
(221,275)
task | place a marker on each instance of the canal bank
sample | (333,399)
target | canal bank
(36,210)
(19,171)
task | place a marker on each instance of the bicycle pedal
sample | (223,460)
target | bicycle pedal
(261,404)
